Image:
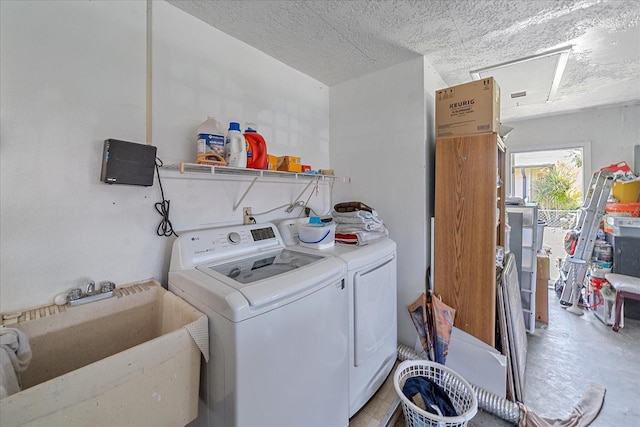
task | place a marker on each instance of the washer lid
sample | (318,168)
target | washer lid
(263,266)
(276,277)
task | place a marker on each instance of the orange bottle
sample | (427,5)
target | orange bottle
(256,149)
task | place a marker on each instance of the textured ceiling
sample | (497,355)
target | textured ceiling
(334,41)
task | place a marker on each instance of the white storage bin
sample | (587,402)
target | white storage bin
(624,226)
(317,236)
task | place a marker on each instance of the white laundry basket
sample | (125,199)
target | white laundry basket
(459,390)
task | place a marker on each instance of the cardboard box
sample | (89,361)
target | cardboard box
(126,360)
(289,164)
(542,287)
(542,300)
(468,108)
(543,266)
(272,162)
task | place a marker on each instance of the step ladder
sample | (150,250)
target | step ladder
(574,269)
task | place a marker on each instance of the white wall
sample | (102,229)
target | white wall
(612,132)
(199,70)
(379,138)
(73,74)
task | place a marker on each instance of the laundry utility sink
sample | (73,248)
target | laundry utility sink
(127,360)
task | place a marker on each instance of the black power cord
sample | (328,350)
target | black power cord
(164,228)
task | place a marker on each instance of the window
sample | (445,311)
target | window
(555,179)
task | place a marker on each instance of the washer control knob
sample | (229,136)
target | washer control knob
(234,238)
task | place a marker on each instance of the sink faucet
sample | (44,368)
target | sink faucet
(91,288)
(76,296)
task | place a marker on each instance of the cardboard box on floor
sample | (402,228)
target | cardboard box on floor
(542,291)
(468,108)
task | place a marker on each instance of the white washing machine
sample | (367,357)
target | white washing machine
(278,327)
(372,286)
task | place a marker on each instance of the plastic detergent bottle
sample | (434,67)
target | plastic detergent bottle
(256,148)
(211,137)
(235,147)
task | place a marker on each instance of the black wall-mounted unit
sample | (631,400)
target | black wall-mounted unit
(129,163)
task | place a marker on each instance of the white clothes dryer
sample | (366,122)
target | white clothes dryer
(278,327)
(372,288)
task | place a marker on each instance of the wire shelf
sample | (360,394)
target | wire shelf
(191,169)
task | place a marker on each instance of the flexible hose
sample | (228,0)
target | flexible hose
(406,353)
(487,401)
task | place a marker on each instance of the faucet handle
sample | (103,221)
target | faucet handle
(91,288)
(107,286)
(75,293)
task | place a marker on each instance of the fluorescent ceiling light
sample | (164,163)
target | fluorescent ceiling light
(530,80)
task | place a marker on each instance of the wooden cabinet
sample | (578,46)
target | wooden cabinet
(469,225)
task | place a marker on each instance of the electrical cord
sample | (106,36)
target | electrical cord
(271,210)
(164,228)
(289,208)
(306,205)
(299,204)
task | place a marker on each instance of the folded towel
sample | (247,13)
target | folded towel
(349,222)
(347,239)
(15,356)
(350,228)
(356,214)
(360,237)
(352,206)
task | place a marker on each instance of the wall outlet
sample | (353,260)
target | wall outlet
(246,216)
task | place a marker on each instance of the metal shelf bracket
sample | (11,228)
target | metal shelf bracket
(253,181)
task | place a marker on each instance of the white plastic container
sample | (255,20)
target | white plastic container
(235,147)
(317,236)
(211,137)
(624,226)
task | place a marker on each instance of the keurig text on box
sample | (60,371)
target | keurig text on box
(468,108)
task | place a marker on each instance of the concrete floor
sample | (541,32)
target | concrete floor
(597,354)
(567,354)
